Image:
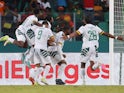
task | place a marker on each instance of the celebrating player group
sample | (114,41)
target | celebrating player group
(46,46)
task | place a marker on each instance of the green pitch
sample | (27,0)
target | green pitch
(61,89)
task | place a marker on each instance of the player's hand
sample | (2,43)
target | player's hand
(120,38)
(64,37)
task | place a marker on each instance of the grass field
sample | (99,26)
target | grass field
(61,89)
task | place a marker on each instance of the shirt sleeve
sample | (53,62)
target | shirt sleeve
(99,30)
(80,30)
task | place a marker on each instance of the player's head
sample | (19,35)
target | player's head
(61,24)
(36,11)
(49,18)
(45,24)
(87,19)
(66,30)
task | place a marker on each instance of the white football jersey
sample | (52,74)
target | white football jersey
(58,39)
(29,21)
(90,35)
(30,35)
(41,37)
(22,29)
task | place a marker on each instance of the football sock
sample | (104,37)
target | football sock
(61,71)
(35,72)
(32,72)
(46,71)
(83,72)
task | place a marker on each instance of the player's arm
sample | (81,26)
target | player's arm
(74,34)
(111,36)
(37,23)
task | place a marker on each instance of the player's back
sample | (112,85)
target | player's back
(41,37)
(29,20)
(30,35)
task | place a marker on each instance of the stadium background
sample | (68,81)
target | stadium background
(70,12)
(64,12)
(17,10)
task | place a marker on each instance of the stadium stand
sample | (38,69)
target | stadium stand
(17,10)
(106,16)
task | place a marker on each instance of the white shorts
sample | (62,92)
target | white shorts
(56,57)
(89,54)
(42,57)
(20,33)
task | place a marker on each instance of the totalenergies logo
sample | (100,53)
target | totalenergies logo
(71,77)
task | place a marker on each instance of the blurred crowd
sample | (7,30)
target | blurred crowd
(64,12)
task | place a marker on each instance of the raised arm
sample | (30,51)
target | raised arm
(112,36)
(37,23)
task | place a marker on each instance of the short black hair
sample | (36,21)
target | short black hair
(36,11)
(48,18)
(66,27)
(88,19)
(45,22)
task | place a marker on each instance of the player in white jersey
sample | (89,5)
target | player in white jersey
(28,22)
(41,56)
(24,34)
(56,53)
(27,57)
(90,35)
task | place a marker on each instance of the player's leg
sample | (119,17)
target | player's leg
(46,62)
(62,65)
(19,35)
(27,57)
(83,71)
(35,72)
(60,60)
(32,75)
(94,64)
(24,58)
(46,72)
(21,39)
(84,57)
